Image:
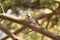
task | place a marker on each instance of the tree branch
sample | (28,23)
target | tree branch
(28,24)
(16,32)
(7,32)
(48,20)
(57,12)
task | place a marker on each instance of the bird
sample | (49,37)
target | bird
(33,19)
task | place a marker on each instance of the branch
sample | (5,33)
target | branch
(7,32)
(48,20)
(57,12)
(28,24)
(16,32)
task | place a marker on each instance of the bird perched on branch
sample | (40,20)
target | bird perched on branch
(33,19)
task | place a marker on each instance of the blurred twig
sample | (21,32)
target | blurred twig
(16,32)
(7,32)
(2,9)
(48,20)
(55,12)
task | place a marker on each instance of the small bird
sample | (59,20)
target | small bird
(33,20)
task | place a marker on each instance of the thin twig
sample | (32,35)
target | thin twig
(48,20)
(7,32)
(16,32)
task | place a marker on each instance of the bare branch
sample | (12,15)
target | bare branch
(55,12)
(47,15)
(7,32)
(48,21)
(16,32)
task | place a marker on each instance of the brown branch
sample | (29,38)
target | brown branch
(28,24)
(48,20)
(7,32)
(16,32)
(57,12)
